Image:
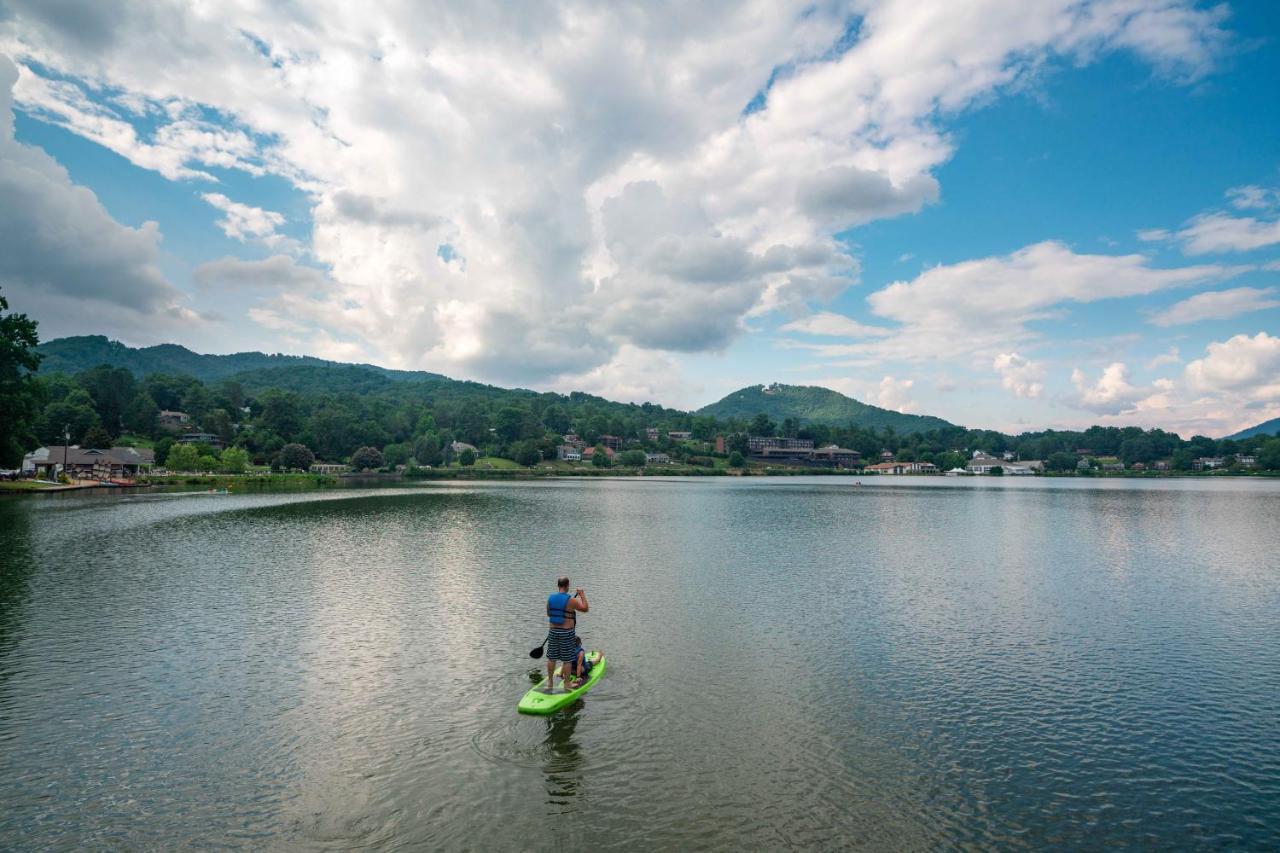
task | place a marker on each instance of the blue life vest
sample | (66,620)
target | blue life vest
(558,607)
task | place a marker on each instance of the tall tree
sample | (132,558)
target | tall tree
(20,394)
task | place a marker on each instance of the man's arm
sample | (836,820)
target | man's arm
(581,603)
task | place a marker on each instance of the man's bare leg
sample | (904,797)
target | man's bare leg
(551,675)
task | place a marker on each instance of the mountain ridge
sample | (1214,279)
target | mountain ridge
(82,352)
(814,404)
(257,370)
(1271,427)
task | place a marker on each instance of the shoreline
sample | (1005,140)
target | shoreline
(290,482)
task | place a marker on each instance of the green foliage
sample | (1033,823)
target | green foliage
(20,394)
(234,460)
(736,460)
(295,457)
(162,450)
(182,457)
(1269,455)
(208,462)
(366,458)
(996,471)
(74,414)
(527,453)
(1061,461)
(467,458)
(397,454)
(96,437)
(426,450)
(600,458)
(761,425)
(632,458)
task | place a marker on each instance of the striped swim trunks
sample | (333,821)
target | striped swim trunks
(562,644)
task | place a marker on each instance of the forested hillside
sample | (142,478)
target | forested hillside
(342,412)
(810,404)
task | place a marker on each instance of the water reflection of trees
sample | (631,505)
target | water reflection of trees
(17,565)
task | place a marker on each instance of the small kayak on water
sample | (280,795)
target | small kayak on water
(539,701)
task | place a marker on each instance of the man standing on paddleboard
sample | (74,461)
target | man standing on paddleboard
(562,639)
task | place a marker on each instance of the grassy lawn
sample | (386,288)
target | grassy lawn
(22,486)
(497,463)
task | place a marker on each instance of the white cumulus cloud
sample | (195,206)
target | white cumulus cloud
(1022,376)
(1242,363)
(1112,392)
(1217,305)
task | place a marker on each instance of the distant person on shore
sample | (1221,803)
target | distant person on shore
(562,638)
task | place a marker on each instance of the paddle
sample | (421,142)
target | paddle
(537,653)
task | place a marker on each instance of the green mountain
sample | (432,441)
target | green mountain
(72,355)
(812,404)
(257,371)
(1271,427)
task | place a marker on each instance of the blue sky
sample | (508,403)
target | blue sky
(1009,215)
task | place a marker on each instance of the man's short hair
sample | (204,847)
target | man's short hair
(563,582)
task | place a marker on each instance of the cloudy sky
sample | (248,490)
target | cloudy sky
(1008,214)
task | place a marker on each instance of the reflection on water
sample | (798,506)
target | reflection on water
(793,663)
(564,758)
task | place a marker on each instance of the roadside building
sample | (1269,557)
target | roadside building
(1205,463)
(982,463)
(113,463)
(1163,465)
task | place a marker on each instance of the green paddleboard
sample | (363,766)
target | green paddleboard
(539,701)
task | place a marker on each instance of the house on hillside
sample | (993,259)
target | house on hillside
(202,438)
(657,459)
(173,421)
(568,453)
(328,468)
(1206,463)
(456,447)
(679,435)
(612,442)
(589,453)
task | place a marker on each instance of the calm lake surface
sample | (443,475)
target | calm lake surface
(909,664)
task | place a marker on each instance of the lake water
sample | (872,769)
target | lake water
(906,664)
